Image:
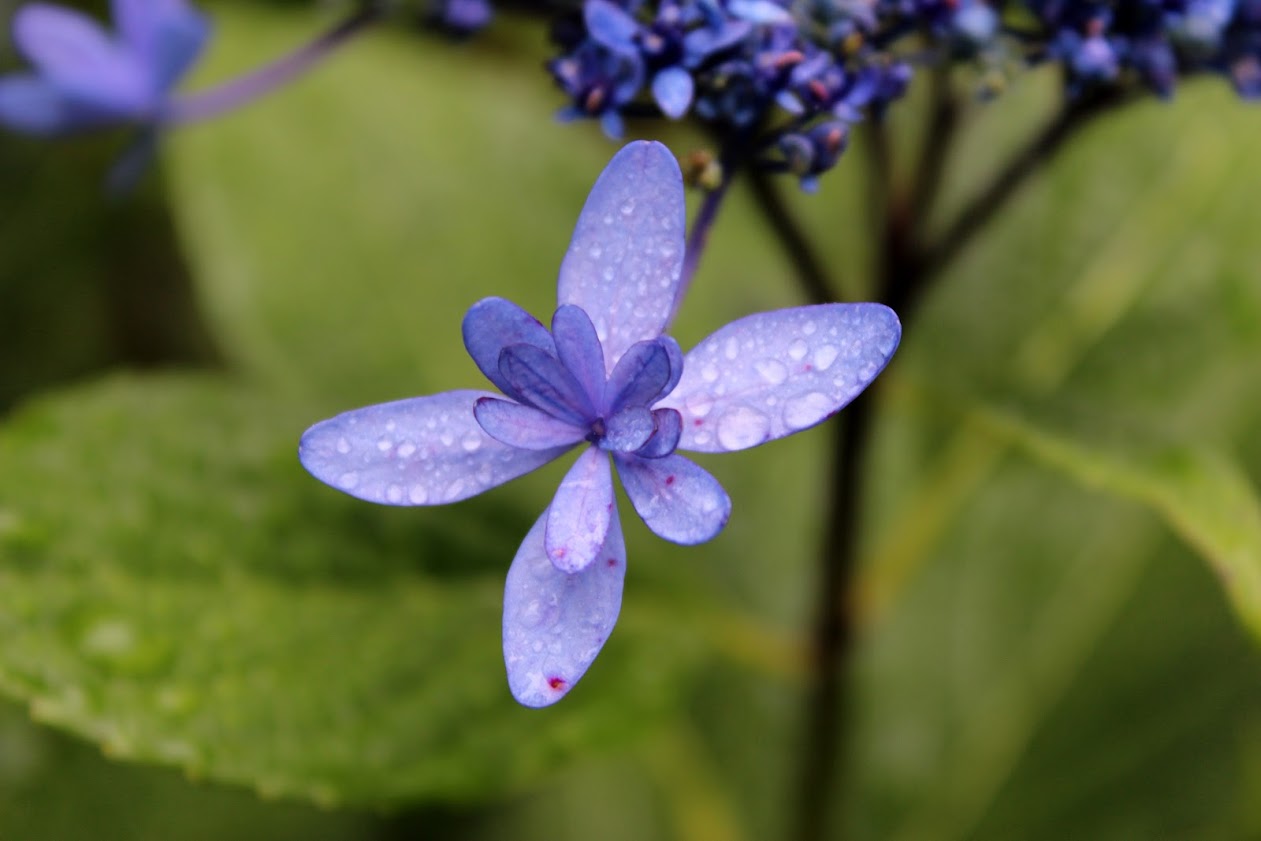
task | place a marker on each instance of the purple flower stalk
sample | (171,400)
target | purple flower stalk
(607,379)
(86,78)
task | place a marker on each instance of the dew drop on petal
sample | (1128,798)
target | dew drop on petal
(798,349)
(472,442)
(742,427)
(772,370)
(343,446)
(808,328)
(394,493)
(702,438)
(348,480)
(595,251)
(710,372)
(447,439)
(628,207)
(454,489)
(732,350)
(699,404)
(806,410)
(824,357)
(406,449)
(418,495)
(384,445)
(485,474)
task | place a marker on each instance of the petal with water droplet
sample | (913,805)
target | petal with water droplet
(556,622)
(773,374)
(579,517)
(524,426)
(626,254)
(422,451)
(675,497)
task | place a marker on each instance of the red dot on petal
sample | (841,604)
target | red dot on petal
(669,480)
(557,683)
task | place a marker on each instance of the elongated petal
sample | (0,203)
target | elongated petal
(665,437)
(579,517)
(167,35)
(544,383)
(610,26)
(579,350)
(675,497)
(623,263)
(422,451)
(639,376)
(492,324)
(629,429)
(555,623)
(524,426)
(773,374)
(73,52)
(30,104)
(672,88)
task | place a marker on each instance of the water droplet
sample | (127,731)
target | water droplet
(343,446)
(608,274)
(454,489)
(806,410)
(419,494)
(628,207)
(824,357)
(772,370)
(742,427)
(699,404)
(710,372)
(390,426)
(406,449)
(595,251)
(531,615)
(808,328)
(348,480)
(394,493)
(798,349)
(472,442)
(608,219)
(702,438)
(732,350)
(485,474)
(447,439)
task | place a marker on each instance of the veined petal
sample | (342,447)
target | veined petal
(628,430)
(579,519)
(422,451)
(665,437)
(544,383)
(610,26)
(74,53)
(675,497)
(579,350)
(492,324)
(624,261)
(524,426)
(776,373)
(640,375)
(672,88)
(554,622)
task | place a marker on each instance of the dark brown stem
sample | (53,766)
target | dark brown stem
(806,262)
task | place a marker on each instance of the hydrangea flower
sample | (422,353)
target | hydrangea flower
(85,78)
(605,379)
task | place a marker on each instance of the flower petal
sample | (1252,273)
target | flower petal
(675,497)
(773,374)
(166,35)
(610,26)
(672,88)
(492,324)
(623,263)
(579,517)
(578,349)
(665,437)
(629,429)
(74,53)
(543,382)
(422,451)
(524,426)
(555,623)
(640,375)
(30,104)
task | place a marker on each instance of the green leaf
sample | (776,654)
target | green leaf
(175,587)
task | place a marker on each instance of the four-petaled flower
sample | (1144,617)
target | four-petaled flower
(604,376)
(85,78)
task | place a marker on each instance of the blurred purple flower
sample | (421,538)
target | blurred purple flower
(85,77)
(605,376)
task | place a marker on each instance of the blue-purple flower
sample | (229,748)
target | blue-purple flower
(608,380)
(85,77)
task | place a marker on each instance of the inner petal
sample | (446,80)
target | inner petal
(579,350)
(639,376)
(628,430)
(542,381)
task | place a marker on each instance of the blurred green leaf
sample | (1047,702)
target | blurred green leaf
(173,586)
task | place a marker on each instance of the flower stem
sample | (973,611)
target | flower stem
(245,89)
